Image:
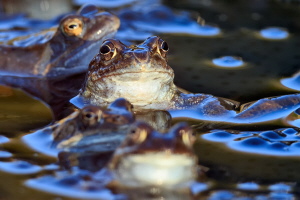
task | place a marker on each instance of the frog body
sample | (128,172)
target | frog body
(68,51)
(141,74)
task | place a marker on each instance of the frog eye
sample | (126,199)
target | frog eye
(163,47)
(140,135)
(121,103)
(140,132)
(91,116)
(73,27)
(184,133)
(107,50)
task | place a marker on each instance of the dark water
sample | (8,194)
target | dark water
(247,164)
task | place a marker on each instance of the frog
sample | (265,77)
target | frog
(82,128)
(148,158)
(87,130)
(72,45)
(53,70)
(141,74)
(147,165)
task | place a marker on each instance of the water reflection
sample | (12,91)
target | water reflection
(223,162)
(19,111)
(5,154)
(281,142)
(228,61)
(292,82)
(19,167)
(74,184)
(274,33)
(107,4)
(138,24)
(248,186)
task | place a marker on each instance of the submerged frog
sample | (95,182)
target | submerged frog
(142,75)
(68,51)
(82,129)
(149,158)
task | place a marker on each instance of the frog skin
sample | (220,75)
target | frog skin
(150,158)
(72,46)
(93,126)
(142,75)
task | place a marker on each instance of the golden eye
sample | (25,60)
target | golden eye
(73,27)
(184,133)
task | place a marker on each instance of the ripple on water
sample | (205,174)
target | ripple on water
(19,167)
(3,139)
(41,141)
(274,33)
(280,187)
(70,186)
(161,19)
(5,154)
(281,191)
(192,28)
(281,142)
(228,61)
(292,82)
(222,195)
(248,186)
(105,3)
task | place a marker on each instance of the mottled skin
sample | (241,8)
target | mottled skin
(142,75)
(72,46)
(87,126)
(149,158)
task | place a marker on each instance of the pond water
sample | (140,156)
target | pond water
(245,50)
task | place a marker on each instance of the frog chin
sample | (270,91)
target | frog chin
(156,169)
(141,89)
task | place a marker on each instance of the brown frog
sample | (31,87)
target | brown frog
(142,75)
(68,51)
(148,158)
(93,124)
(87,131)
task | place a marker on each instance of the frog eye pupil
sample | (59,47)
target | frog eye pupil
(73,26)
(164,46)
(88,115)
(105,49)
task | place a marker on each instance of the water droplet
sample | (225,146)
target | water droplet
(228,61)
(274,33)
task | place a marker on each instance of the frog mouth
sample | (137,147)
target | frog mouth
(157,169)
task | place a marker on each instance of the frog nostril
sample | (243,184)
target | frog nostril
(105,49)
